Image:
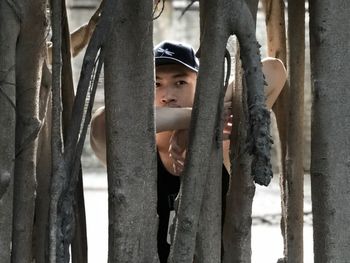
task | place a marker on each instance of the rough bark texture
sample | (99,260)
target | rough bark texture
(131,156)
(277,47)
(205,143)
(9,31)
(208,239)
(294,157)
(56,235)
(237,226)
(30,47)
(238,220)
(330,143)
(259,143)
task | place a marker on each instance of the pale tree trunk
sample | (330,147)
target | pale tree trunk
(330,136)
(9,31)
(294,155)
(131,155)
(29,59)
(276,47)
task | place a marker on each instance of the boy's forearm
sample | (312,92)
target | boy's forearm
(169,119)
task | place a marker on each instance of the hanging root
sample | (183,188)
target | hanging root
(260,141)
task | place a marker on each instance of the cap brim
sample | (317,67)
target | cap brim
(169,60)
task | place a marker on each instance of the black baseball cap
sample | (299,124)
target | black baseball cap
(172,52)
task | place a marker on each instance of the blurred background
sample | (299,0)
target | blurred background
(173,24)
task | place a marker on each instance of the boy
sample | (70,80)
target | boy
(176,76)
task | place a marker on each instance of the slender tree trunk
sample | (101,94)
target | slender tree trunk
(276,47)
(131,156)
(9,31)
(294,157)
(330,126)
(237,226)
(43,171)
(238,219)
(205,114)
(209,239)
(30,47)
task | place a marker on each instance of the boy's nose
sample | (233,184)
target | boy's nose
(168,98)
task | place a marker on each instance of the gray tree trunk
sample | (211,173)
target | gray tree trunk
(9,31)
(238,219)
(208,238)
(29,59)
(330,136)
(205,134)
(131,155)
(294,158)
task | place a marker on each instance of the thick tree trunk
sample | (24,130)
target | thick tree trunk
(330,137)
(294,157)
(9,31)
(131,155)
(30,47)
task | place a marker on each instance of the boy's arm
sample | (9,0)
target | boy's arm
(275,76)
(169,119)
(166,119)
(98,135)
(81,36)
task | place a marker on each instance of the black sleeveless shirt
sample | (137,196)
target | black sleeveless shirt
(168,187)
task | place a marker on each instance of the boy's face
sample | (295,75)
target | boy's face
(175,86)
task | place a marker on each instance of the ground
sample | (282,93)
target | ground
(267,244)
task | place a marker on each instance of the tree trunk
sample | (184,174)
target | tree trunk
(294,157)
(204,124)
(30,47)
(131,163)
(276,47)
(9,31)
(330,126)
(43,171)
(208,238)
(238,219)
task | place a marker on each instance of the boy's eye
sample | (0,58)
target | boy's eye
(181,82)
(157,85)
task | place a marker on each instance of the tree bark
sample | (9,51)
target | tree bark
(330,125)
(9,31)
(294,157)
(204,121)
(30,47)
(238,219)
(43,171)
(276,47)
(59,173)
(131,155)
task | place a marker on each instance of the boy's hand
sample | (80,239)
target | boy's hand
(177,150)
(227,120)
